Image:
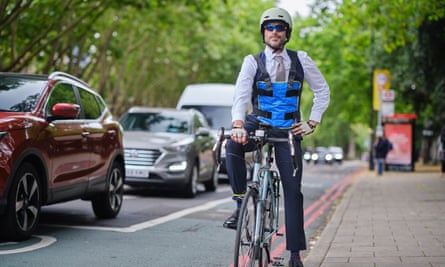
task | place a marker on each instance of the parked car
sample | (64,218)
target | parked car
(58,142)
(321,155)
(215,101)
(337,153)
(307,156)
(169,148)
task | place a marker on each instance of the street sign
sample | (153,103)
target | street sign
(381,82)
(388,95)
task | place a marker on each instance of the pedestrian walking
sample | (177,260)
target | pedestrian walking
(442,150)
(271,82)
(382,147)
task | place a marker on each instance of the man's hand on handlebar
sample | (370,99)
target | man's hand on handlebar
(239,135)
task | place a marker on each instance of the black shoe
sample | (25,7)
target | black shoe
(232,221)
(295,263)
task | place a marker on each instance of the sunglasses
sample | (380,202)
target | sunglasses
(279,27)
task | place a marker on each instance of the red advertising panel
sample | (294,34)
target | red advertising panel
(399,129)
(400,135)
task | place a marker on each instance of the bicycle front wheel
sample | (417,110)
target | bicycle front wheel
(246,249)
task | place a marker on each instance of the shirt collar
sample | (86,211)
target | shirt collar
(270,55)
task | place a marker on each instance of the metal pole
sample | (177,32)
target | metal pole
(371,113)
(371,126)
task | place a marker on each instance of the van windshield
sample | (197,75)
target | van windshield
(217,116)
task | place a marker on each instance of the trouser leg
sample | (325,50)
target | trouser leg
(236,167)
(293,197)
(379,166)
(235,161)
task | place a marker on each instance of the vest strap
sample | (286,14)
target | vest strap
(268,115)
(290,93)
(262,113)
(266,76)
(264,92)
(292,115)
(293,68)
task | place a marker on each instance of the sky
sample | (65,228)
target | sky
(293,6)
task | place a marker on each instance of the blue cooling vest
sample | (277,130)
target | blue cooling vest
(278,103)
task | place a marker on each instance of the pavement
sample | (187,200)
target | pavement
(397,219)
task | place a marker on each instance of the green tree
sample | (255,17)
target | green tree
(359,36)
(144,52)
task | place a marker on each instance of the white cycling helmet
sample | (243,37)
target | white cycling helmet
(276,14)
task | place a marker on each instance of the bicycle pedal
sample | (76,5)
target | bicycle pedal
(278,261)
(280,234)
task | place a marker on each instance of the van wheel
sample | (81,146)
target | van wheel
(23,208)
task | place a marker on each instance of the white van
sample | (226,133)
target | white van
(214,100)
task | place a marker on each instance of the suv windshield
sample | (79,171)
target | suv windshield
(156,122)
(18,94)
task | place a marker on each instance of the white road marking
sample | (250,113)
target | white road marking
(44,242)
(150,223)
(48,240)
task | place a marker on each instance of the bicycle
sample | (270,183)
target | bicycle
(259,212)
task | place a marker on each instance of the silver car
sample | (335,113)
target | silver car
(168,148)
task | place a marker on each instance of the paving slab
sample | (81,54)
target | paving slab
(397,219)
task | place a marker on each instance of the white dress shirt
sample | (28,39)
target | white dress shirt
(312,75)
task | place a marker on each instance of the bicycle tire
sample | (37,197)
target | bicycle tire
(269,219)
(268,224)
(245,250)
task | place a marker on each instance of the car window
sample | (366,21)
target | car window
(101,103)
(61,93)
(166,123)
(200,121)
(90,107)
(20,94)
(155,122)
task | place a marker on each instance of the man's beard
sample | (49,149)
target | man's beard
(278,47)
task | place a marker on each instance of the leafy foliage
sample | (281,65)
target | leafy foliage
(144,52)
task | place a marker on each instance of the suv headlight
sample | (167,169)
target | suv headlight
(328,157)
(178,166)
(314,156)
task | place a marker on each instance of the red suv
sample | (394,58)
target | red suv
(58,142)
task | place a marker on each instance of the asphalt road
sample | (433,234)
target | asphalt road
(161,229)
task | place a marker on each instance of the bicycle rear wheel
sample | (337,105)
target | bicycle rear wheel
(246,251)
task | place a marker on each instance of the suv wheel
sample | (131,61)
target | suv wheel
(23,208)
(212,184)
(192,186)
(108,204)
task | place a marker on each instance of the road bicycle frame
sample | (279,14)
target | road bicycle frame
(261,198)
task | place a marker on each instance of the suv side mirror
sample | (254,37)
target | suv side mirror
(65,111)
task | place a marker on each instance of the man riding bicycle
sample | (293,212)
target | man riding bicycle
(272,82)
